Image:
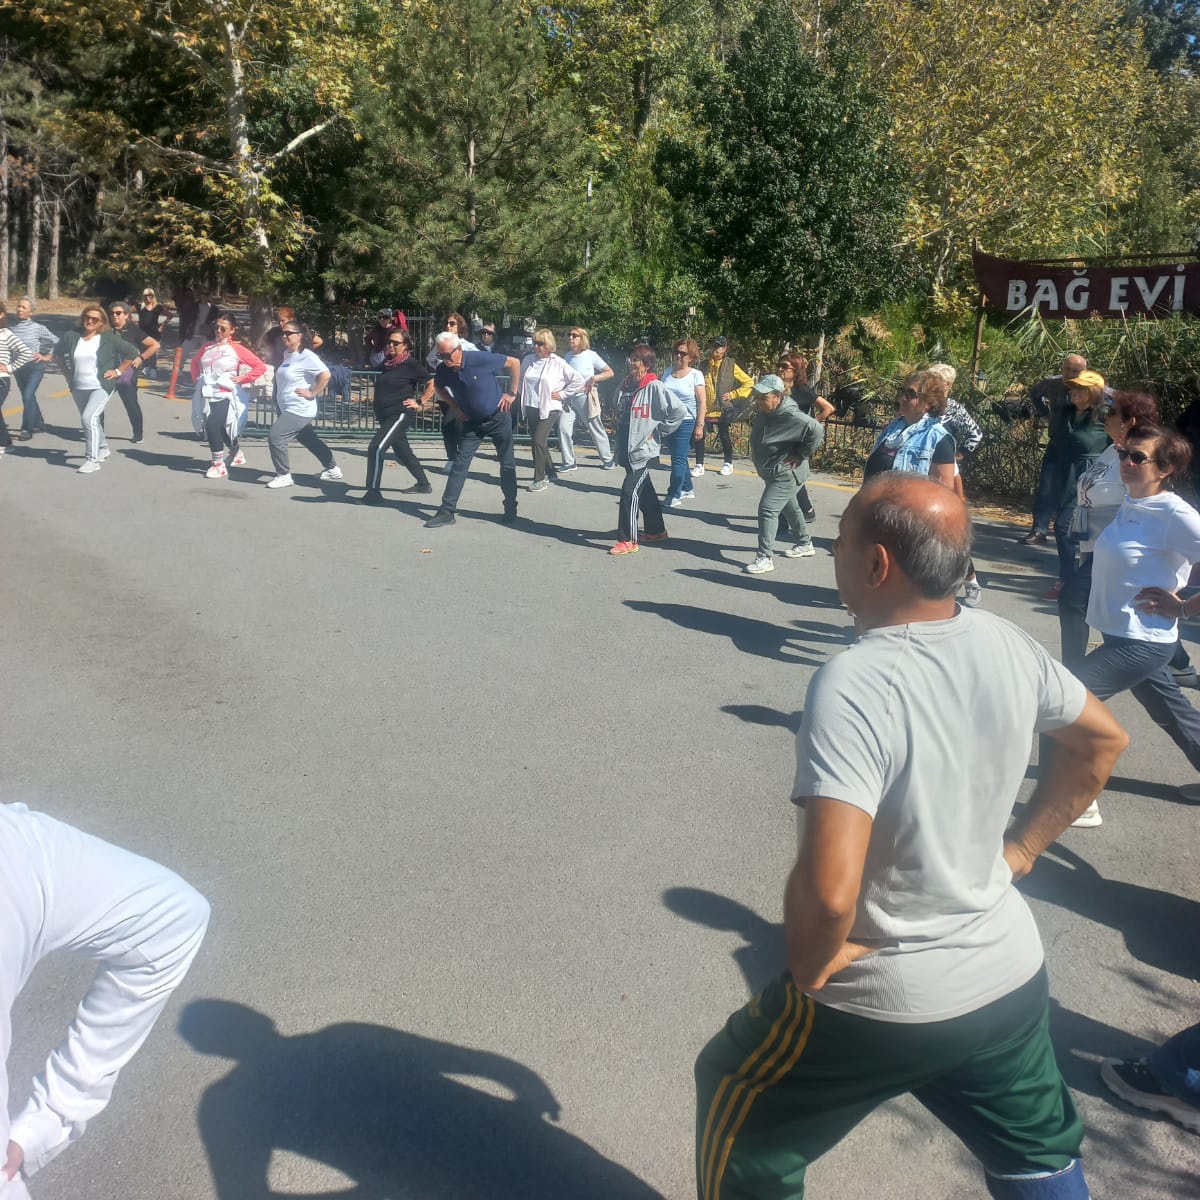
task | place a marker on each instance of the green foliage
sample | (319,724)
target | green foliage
(792,201)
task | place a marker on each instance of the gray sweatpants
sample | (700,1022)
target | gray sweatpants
(91,402)
(779,496)
(289,427)
(575,407)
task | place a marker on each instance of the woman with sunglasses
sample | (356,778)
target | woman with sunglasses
(586,408)
(916,440)
(686,384)
(1141,563)
(220,369)
(152,319)
(92,358)
(301,379)
(402,377)
(546,381)
(127,385)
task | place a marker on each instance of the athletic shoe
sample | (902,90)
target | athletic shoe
(238,460)
(24,435)
(1090,818)
(137,441)
(332,474)
(1035,537)
(539,485)
(217,470)
(418,489)
(1189,792)
(972,593)
(566,467)
(810,514)
(655,537)
(727,468)
(440,518)
(624,548)
(800,550)
(1133,1081)
(760,566)
(1051,593)
(280,481)
(608,466)
(1186,677)
(688,495)
(104,453)
(676,503)
(371,496)
(697,471)
(509,518)
(90,467)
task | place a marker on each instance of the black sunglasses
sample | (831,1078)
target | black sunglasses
(906,393)
(395,342)
(1139,458)
(541,343)
(487,333)
(291,333)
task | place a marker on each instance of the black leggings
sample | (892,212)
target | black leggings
(393,435)
(721,425)
(129,397)
(214,427)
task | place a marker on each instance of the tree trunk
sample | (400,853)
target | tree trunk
(470,189)
(5,242)
(55,246)
(35,236)
(14,257)
(96,224)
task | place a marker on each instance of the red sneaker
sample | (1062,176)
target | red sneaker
(624,548)
(1052,593)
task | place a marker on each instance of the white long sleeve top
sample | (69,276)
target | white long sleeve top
(61,889)
(541,377)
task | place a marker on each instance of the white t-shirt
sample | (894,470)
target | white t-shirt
(532,369)
(587,363)
(300,368)
(1099,493)
(1150,543)
(685,388)
(86,375)
(927,728)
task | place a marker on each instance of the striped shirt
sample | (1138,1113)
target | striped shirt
(13,353)
(34,335)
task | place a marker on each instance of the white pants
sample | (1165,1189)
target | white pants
(576,407)
(91,402)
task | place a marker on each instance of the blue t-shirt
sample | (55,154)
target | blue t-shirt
(685,388)
(475,386)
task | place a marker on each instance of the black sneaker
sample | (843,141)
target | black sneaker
(1132,1080)
(608,466)
(568,467)
(373,496)
(24,435)
(440,518)
(1186,677)
(509,518)
(418,489)
(137,441)
(810,514)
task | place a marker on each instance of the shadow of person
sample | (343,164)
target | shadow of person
(1159,928)
(761,959)
(390,1111)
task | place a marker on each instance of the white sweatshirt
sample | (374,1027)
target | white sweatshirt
(61,889)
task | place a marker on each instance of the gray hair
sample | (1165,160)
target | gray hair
(932,552)
(946,371)
(28,300)
(447,342)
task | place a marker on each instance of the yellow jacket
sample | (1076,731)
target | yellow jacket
(725,376)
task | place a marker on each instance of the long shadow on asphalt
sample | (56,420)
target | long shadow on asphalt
(748,635)
(761,958)
(388,1111)
(804,595)
(1160,929)
(56,455)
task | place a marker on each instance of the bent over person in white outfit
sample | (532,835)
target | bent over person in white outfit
(61,889)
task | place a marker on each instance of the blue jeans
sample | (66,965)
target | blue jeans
(1176,1065)
(1049,485)
(1123,664)
(28,378)
(680,444)
(498,428)
(1066,548)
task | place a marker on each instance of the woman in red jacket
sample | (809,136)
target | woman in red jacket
(220,369)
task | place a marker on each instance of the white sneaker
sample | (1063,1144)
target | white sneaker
(104,453)
(238,460)
(1090,818)
(676,503)
(727,468)
(800,550)
(89,467)
(217,471)
(697,471)
(280,481)
(688,495)
(972,593)
(334,472)
(760,566)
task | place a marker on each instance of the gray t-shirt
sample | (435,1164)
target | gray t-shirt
(927,728)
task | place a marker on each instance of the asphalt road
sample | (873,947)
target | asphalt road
(494,827)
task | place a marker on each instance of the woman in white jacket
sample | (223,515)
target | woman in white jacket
(546,380)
